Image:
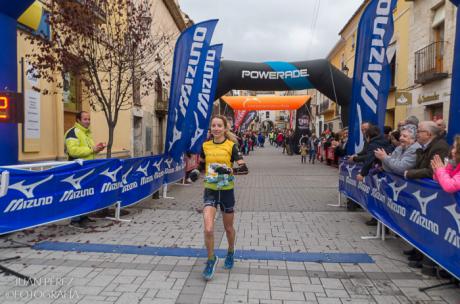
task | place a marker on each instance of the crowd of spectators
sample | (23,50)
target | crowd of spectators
(415,150)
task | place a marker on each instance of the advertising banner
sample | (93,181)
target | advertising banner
(247,120)
(35,198)
(302,127)
(417,210)
(239,117)
(173,170)
(372,74)
(202,110)
(454,112)
(189,60)
(138,179)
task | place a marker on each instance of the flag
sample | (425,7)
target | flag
(247,120)
(239,117)
(201,111)
(372,74)
(454,111)
(189,59)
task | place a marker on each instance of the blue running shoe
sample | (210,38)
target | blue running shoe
(229,260)
(210,268)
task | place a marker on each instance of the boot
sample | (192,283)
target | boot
(409,252)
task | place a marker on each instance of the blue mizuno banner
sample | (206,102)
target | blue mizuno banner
(189,59)
(372,74)
(454,112)
(35,198)
(138,179)
(417,210)
(203,110)
(173,170)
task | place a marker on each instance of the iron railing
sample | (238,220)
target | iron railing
(429,63)
(324,105)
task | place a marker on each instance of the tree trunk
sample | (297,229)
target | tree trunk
(110,141)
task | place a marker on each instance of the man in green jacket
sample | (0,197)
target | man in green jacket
(79,143)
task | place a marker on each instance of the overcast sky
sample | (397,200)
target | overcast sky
(264,30)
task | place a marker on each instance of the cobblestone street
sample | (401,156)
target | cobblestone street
(282,205)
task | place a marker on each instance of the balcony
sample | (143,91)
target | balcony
(325,106)
(94,6)
(429,63)
(161,107)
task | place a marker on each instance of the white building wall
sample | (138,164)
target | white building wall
(422,35)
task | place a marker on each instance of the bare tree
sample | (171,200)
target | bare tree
(111,45)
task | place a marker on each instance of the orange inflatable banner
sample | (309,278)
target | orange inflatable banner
(262,103)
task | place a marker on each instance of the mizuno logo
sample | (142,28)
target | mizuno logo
(176,135)
(378,181)
(125,176)
(198,131)
(28,190)
(374,64)
(423,201)
(199,37)
(143,170)
(75,182)
(111,174)
(453,236)
(204,98)
(360,145)
(158,164)
(397,190)
(168,162)
(453,211)
(350,170)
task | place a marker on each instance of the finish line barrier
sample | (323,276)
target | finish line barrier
(419,211)
(38,194)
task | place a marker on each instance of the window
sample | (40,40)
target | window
(148,139)
(393,71)
(71,91)
(267,114)
(158,88)
(137,92)
(438,36)
(434,112)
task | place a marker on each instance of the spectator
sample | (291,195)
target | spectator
(79,141)
(442,125)
(312,145)
(448,175)
(394,138)
(341,149)
(404,156)
(401,124)
(428,136)
(360,157)
(375,141)
(79,144)
(279,139)
(412,120)
(386,132)
(303,153)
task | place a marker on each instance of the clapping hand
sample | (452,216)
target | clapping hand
(380,153)
(437,163)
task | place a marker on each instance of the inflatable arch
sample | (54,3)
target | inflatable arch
(284,76)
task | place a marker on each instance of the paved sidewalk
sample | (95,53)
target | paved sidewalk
(282,205)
